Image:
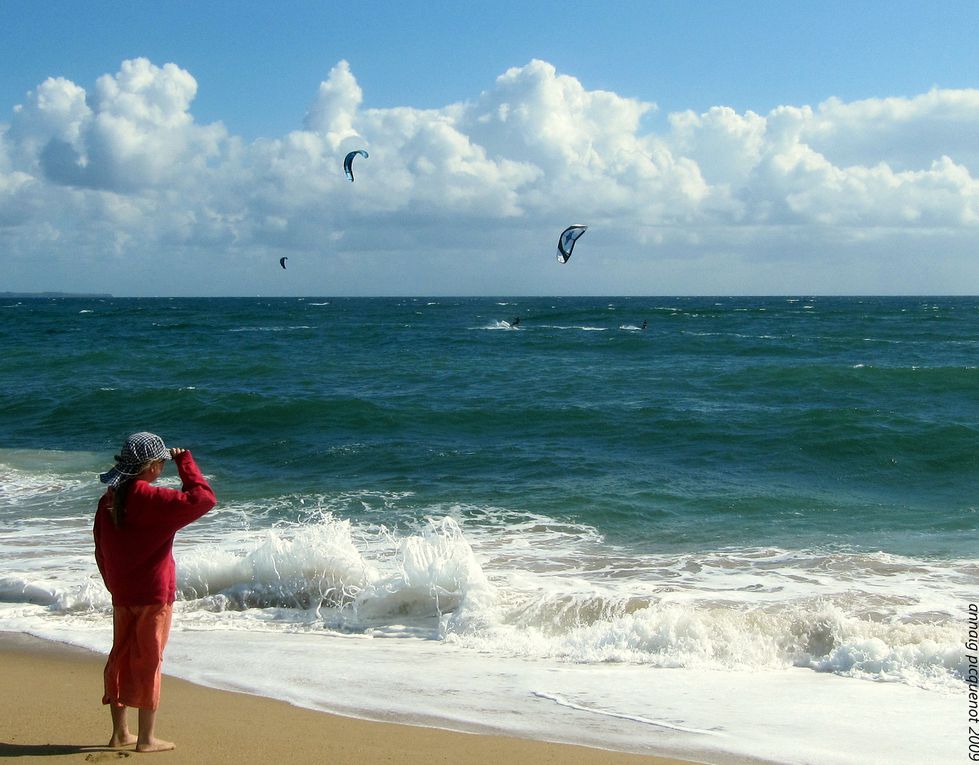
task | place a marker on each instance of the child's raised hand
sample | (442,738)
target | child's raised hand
(175,452)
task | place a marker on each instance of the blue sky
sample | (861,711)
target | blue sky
(768,147)
(257,64)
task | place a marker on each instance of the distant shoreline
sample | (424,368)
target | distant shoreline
(796,296)
(53,295)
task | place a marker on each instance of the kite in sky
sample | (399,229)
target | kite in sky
(565,243)
(282,261)
(349,161)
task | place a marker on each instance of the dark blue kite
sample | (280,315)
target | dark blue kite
(349,160)
(565,243)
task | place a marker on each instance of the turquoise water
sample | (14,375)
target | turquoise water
(843,422)
(747,529)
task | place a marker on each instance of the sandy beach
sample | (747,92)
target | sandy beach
(51,713)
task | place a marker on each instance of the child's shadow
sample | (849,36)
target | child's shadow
(94,753)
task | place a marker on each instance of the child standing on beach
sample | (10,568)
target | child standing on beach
(134,529)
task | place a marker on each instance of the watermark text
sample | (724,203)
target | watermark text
(972,679)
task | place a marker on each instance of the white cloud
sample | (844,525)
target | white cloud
(904,133)
(335,107)
(725,145)
(533,114)
(794,182)
(125,173)
(133,132)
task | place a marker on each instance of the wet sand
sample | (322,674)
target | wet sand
(50,711)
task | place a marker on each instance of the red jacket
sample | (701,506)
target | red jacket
(136,560)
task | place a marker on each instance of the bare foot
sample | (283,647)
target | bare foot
(118,742)
(156,745)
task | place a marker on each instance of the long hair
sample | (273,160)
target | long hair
(118,495)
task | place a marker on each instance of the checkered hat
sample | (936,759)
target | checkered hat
(139,449)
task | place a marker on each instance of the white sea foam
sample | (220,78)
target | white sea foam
(270,328)
(499,324)
(561,701)
(591,629)
(537,589)
(578,327)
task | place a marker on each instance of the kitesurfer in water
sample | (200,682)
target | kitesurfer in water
(515,322)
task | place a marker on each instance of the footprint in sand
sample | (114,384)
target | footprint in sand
(106,756)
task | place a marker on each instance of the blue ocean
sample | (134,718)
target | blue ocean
(642,523)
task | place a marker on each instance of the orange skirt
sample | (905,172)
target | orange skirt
(132,672)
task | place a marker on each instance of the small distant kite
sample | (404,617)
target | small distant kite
(282,262)
(565,243)
(349,161)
